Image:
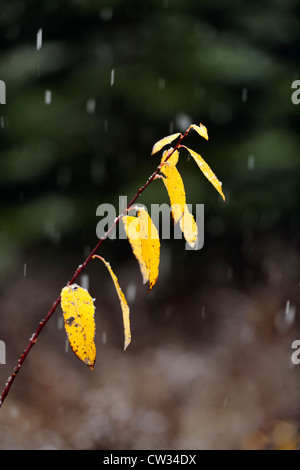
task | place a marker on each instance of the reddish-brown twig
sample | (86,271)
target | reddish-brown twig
(78,271)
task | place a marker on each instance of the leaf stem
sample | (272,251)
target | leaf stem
(78,271)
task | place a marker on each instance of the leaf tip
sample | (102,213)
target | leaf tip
(162,142)
(204,130)
(151,285)
(201,130)
(127,343)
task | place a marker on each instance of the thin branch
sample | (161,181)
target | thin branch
(78,271)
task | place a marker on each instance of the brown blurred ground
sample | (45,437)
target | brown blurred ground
(221,380)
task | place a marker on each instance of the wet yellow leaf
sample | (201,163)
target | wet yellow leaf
(132,229)
(174,185)
(78,312)
(189,227)
(165,141)
(123,303)
(173,158)
(180,212)
(150,246)
(206,170)
(201,130)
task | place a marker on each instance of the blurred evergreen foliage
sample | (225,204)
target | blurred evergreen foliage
(122,75)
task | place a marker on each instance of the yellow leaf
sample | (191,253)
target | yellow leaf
(173,158)
(78,312)
(123,302)
(180,212)
(189,227)
(201,130)
(150,246)
(206,170)
(174,185)
(166,140)
(132,229)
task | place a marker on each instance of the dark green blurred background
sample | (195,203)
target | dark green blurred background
(209,364)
